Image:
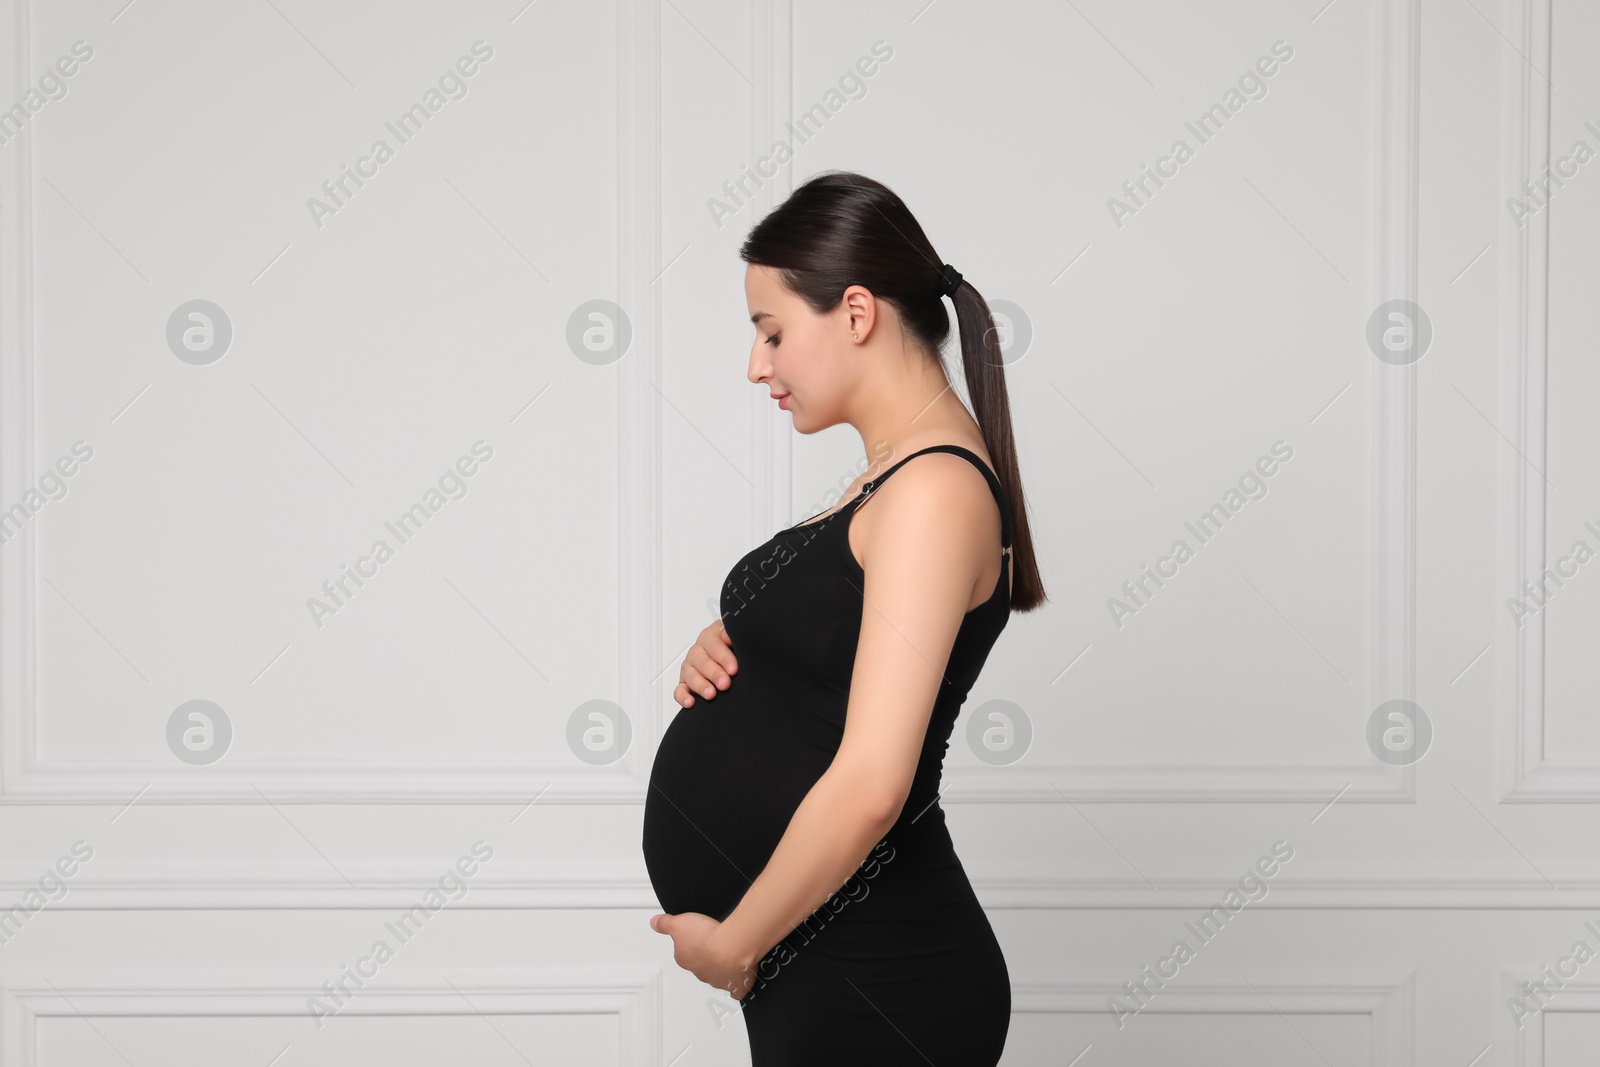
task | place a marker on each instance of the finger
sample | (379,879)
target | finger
(725,656)
(682,695)
(697,682)
(714,642)
(711,668)
(708,671)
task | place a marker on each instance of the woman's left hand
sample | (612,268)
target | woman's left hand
(696,949)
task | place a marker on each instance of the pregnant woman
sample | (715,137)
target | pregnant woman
(792,828)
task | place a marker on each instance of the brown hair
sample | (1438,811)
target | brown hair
(841,229)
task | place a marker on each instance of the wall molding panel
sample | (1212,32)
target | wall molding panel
(25,779)
(633,995)
(1388,1001)
(621,884)
(1528,773)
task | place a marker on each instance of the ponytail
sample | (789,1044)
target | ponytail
(984,365)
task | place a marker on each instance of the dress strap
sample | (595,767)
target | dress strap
(966,453)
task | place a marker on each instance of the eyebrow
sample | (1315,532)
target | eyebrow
(758,316)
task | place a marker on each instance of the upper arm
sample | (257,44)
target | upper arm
(922,555)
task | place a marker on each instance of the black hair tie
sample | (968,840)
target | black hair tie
(949,280)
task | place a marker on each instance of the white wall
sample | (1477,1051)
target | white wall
(370,748)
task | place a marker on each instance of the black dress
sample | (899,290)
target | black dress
(900,966)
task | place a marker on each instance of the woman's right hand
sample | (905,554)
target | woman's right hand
(707,665)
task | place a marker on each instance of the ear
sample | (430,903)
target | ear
(861,311)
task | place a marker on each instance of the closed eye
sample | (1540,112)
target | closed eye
(773,340)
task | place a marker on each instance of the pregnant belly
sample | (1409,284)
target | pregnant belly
(728,775)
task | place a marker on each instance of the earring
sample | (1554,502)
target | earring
(857,336)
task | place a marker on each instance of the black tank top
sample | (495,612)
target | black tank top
(730,771)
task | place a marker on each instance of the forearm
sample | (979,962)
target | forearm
(828,837)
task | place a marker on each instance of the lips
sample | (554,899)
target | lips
(782,399)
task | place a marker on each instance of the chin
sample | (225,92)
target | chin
(803,423)
(800,424)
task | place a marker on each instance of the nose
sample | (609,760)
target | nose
(760,367)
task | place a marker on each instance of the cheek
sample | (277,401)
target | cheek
(803,370)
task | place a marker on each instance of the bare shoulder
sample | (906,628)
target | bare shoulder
(936,490)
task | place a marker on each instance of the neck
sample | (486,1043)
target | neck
(912,418)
